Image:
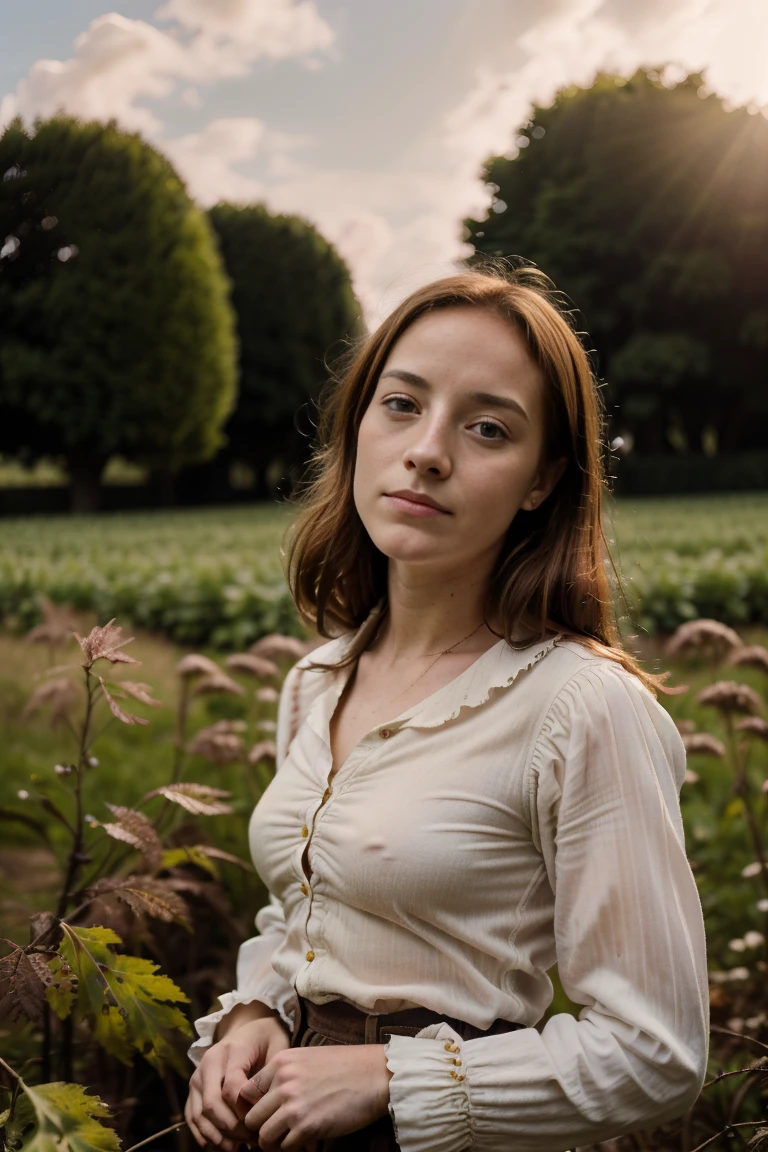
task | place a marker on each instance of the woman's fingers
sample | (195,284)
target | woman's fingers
(206,1130)
(189,1117)
(272,1132)
(208,1081)
(256,1087)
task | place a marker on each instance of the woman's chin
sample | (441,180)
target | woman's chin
(408,548)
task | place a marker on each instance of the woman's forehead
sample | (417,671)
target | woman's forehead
(469,347)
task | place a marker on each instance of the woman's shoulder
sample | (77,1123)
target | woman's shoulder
(594,687)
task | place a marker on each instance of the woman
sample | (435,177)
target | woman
(474,779)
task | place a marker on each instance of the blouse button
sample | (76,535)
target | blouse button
(310,955)
(305,890)
(385,733)
(305,831)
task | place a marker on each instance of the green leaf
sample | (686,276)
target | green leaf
(173,857)
(61,994)
(128,1004)
(69,1120)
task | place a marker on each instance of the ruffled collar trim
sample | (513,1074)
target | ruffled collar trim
(498,667)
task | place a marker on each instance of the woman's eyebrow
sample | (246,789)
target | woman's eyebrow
(489,398)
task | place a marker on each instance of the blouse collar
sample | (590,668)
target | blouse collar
(498,667)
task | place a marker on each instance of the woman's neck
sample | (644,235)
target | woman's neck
(427,616)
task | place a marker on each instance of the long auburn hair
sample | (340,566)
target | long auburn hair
(551,571)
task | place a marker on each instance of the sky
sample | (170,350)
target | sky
(370,118)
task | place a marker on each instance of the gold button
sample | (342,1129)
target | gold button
(326,794)
(457,1063)
(305,831)
(305,890)
(310,955)
(385,733)
(456,1075)
(448,1046)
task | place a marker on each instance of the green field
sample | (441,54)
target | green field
(213,576)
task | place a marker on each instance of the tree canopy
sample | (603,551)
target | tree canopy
(116,331)
(648,206)
(294,303)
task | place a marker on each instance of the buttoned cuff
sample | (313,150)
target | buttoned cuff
(428,1100)
(271,991)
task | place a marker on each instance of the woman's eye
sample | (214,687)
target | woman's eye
(393,401)
(496,431)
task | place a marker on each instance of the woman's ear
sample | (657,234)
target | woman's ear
(545,480)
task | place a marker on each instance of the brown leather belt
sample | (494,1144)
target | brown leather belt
(342,1023)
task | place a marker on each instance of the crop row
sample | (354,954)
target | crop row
(214,576)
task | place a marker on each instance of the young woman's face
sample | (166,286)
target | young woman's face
(457,417)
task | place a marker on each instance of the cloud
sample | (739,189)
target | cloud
(396,227)
(119,63)
(270,29)
(205,159)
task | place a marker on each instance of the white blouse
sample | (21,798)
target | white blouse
(526,813)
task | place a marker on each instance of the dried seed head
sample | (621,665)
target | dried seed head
(753,656)
(58,626)
(755,726)
(193,664)
(60,693)
(691,777)
(709,638)
(218,681)
(226,726)
(105,644)
(264,750)
(218,746)
(252,665)
(278,647)
(703,743)
(730,696)
(267,695)
(685,726)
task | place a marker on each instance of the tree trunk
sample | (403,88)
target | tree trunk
(162,481)
(85,469)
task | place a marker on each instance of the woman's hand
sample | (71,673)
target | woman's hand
(215,1084)
(316,1093)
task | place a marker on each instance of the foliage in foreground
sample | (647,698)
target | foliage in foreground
(80,984)
(213,576)
(91,978)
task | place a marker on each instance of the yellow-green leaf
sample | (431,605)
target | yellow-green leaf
(173,857)
(69,1120)
(127,1002)
(61,994)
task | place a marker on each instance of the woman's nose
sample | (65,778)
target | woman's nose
(429,453)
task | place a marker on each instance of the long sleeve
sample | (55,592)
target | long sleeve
(603,792)
(256,978)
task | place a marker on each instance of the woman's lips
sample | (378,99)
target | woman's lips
(413,508)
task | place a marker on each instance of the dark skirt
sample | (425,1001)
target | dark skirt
(341,1023)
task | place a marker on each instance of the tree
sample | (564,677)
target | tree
(648,206)
(294,303)
(116,332)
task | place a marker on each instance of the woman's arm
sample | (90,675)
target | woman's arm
(604,802)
